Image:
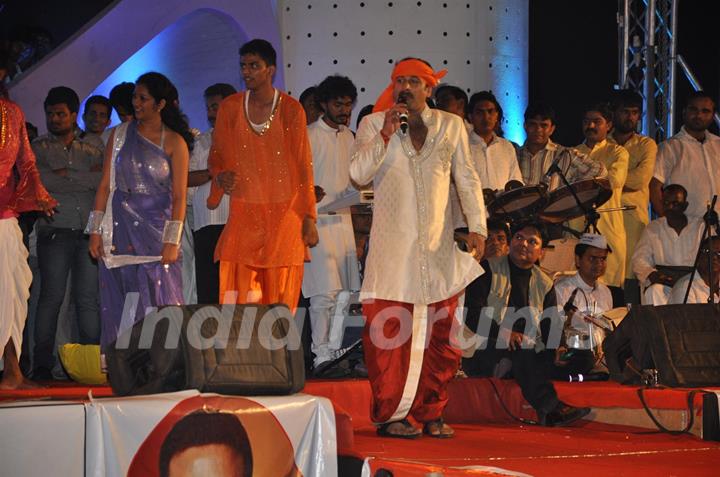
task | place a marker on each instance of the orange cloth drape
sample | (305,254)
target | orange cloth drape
(275,184)
(261,285)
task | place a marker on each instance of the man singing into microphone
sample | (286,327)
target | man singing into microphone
(414,269)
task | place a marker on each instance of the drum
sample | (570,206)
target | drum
(562,206)
(517,204)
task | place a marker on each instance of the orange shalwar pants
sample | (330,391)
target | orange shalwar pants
(261,285)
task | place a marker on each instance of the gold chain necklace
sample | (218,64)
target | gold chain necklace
(266,125)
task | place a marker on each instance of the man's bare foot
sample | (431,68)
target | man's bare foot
(13,382)
(30,384)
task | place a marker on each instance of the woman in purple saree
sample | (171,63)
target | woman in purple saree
(136,224)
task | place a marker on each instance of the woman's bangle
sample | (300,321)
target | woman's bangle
(172,232)
(384,137)
(94,225)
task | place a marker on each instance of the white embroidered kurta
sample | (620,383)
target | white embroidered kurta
(699,291)
(496,163)
(588,300)
(684,160)
(412,255)
(334,264)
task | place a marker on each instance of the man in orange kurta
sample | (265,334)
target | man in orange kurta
(261,156)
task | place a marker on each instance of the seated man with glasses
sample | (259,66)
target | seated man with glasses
(504,308)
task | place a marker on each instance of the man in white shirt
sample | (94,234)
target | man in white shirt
(578,296)
(667,247)
(207,224)
(494,157)
(706,280)
(690,158)
(414,270)
(332,272)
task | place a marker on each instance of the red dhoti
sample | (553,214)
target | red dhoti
(410,358)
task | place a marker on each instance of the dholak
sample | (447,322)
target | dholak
(562,206)
(518,203)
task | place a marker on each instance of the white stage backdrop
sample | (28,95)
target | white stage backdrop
(482,43)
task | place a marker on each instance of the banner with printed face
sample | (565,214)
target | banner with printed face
(188,433)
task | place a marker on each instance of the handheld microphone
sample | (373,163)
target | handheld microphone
(403,99)
(580,378)
(569,305)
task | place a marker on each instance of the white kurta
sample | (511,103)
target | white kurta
(412,256)
(202,216)
(684,160)
(659,244)
(496,163)
(588,300)
(334,264)
(699,291)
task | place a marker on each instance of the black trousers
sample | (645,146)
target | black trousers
(207,271)
(531,370)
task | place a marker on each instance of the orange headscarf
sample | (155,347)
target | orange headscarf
(410,67)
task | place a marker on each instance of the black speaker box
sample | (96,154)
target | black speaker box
(681,341)
(230,349)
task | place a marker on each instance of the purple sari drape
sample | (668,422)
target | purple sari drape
(141,204)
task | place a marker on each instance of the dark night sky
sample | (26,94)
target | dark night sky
(573,47)
(574,56)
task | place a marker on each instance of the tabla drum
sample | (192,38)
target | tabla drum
(562,206)
(518,203)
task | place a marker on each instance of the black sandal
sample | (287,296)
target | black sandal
(442,431)
(383,431)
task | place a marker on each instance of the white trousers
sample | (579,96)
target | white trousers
(656,294)
(327,317)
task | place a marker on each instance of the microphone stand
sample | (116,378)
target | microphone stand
(591,215)
(711,220)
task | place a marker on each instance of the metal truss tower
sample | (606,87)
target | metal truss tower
(647,59)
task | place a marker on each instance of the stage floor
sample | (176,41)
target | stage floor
(489,441)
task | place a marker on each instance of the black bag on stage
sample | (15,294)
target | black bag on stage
(251,350)
(681,341)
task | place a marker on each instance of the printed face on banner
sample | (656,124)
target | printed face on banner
(219,436)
